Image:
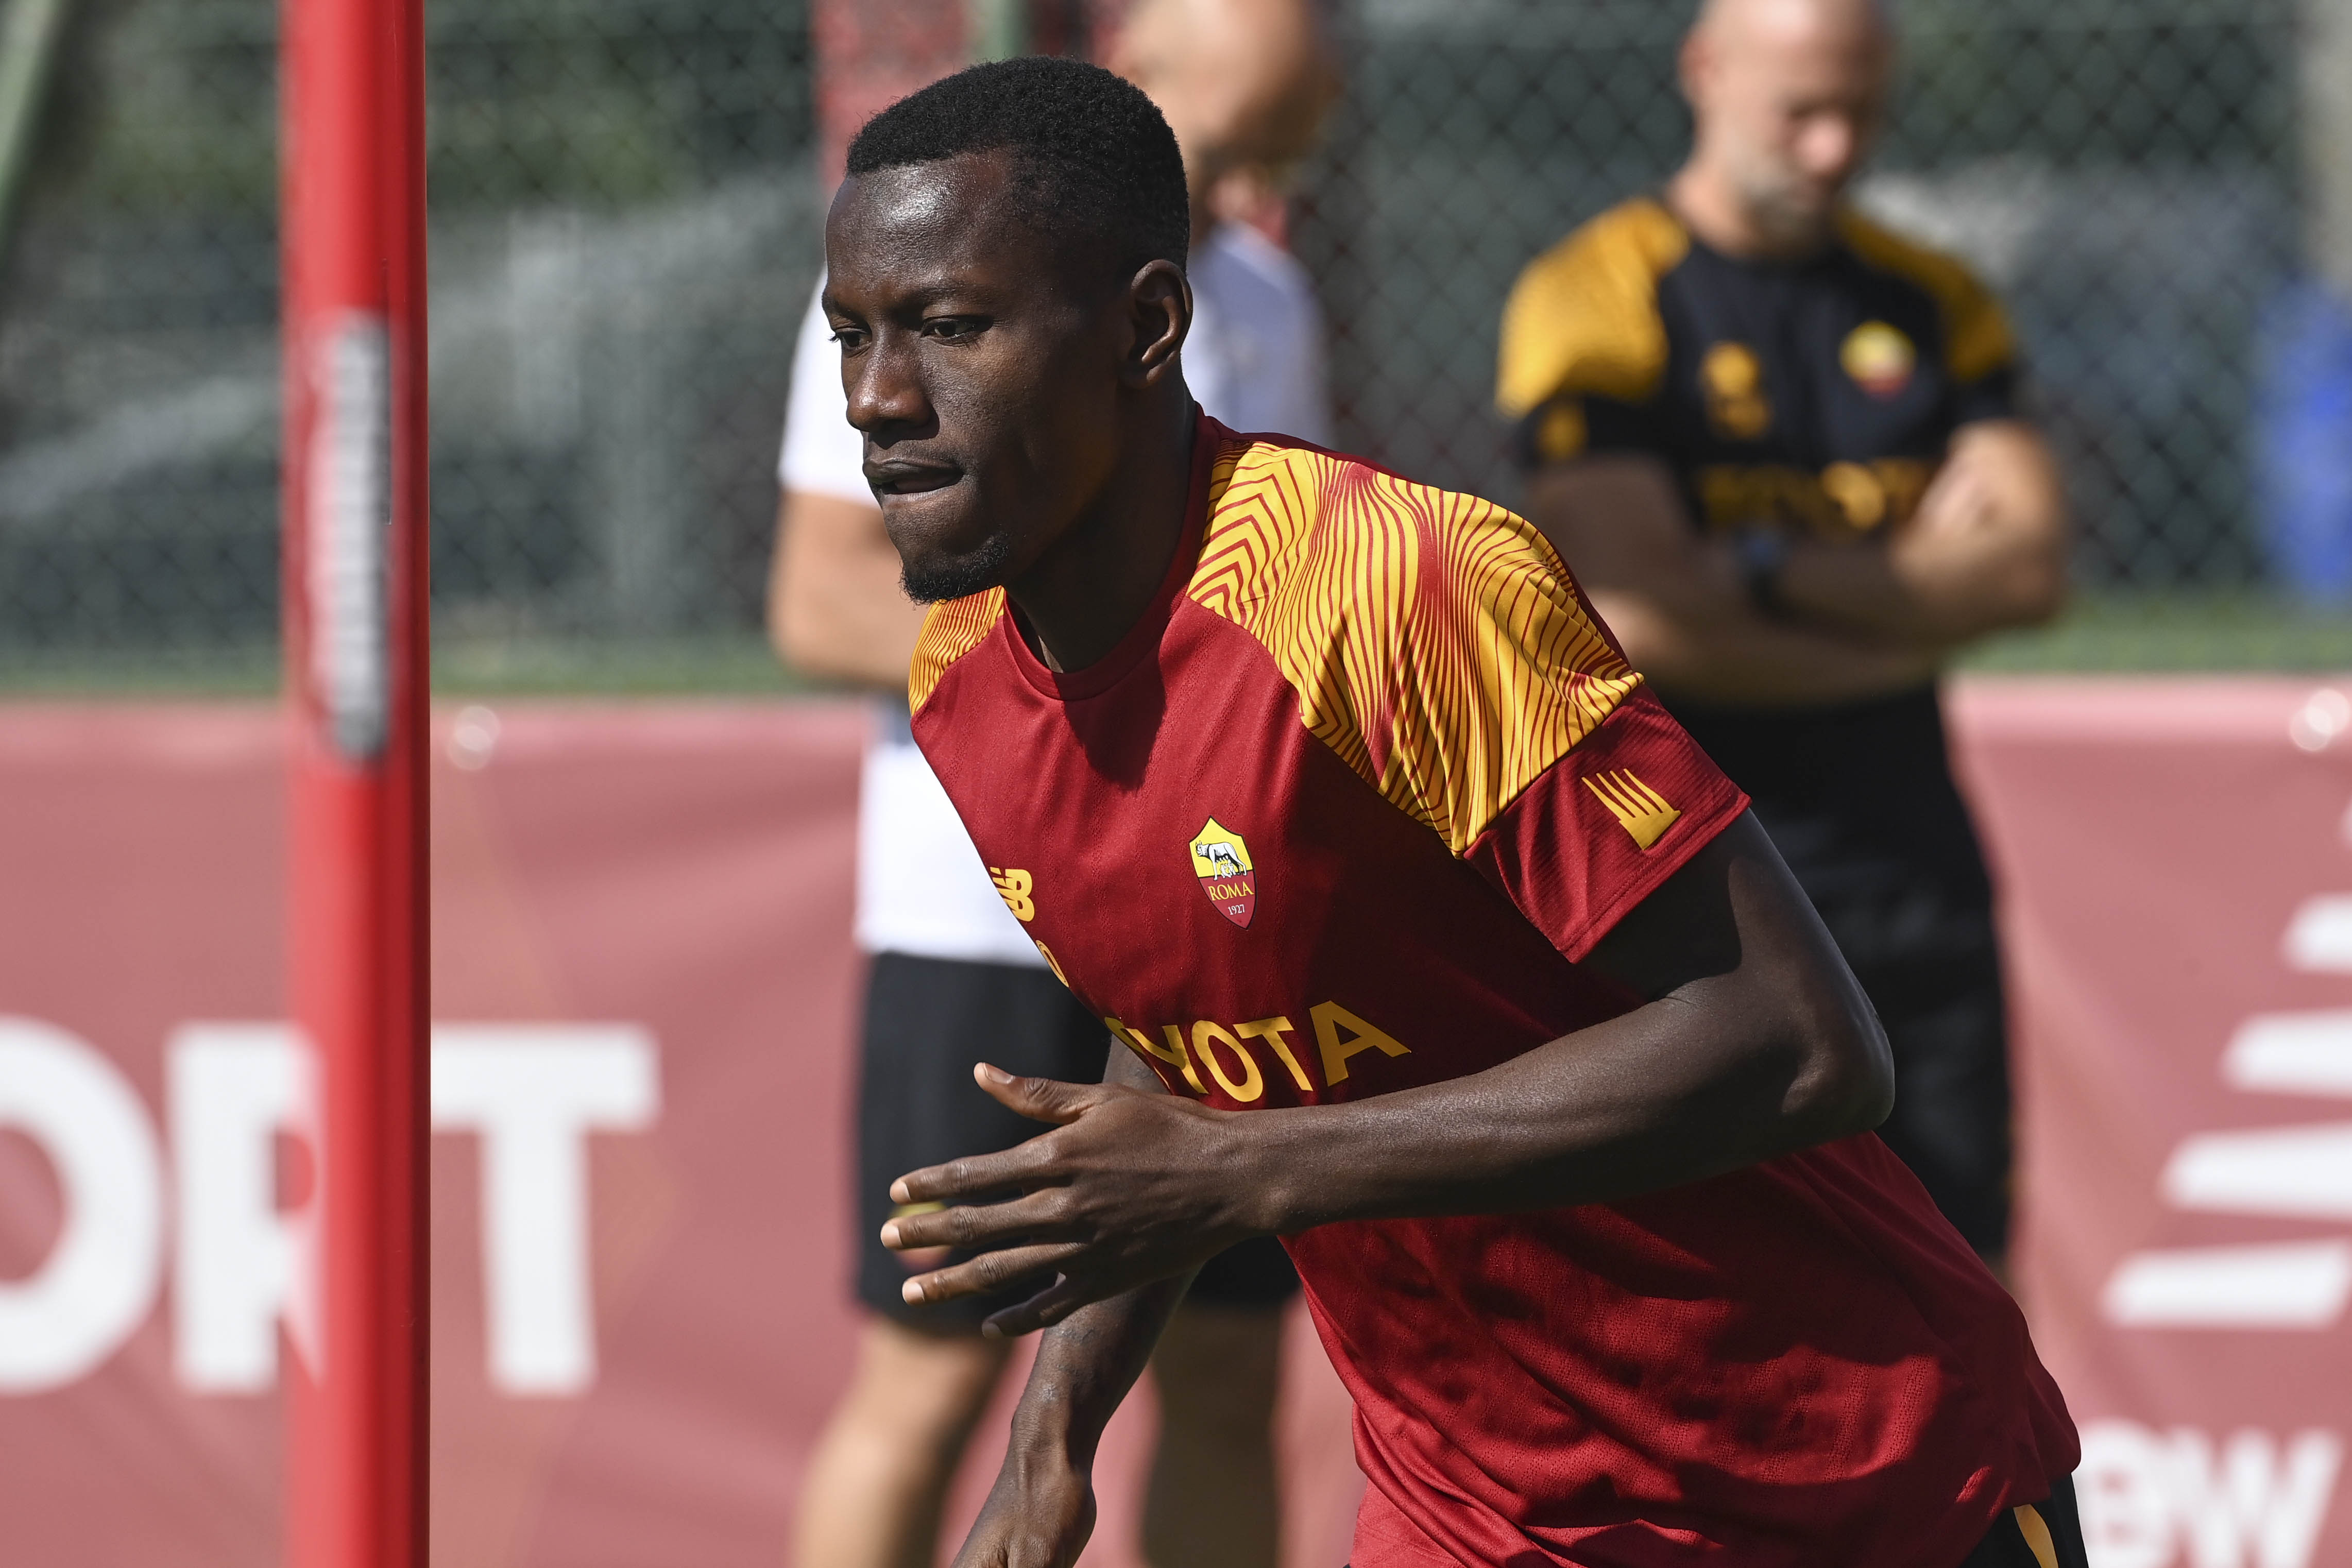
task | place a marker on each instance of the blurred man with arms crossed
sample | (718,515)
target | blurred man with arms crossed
(1780,446)
(955,978)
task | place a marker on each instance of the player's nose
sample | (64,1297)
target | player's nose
(885,389)
(1829,145)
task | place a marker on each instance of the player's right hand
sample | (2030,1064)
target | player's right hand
(1039,1514)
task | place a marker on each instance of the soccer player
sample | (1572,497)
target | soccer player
(1436,948)
(1781,446)
(953,978)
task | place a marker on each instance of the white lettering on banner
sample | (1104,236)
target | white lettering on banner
(2320,938)
(2302,1172)
(233,1089)
(2151,1499)
(2291,1053)
(533,1092)
(95,1287)
(2284,1285)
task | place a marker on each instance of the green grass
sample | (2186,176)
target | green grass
(740,665)
(2175,633)
(2119,634)
(736,664)
(142,674)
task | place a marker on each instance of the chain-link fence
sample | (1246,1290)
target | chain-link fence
(623,213)
(625,230)
(2124,172)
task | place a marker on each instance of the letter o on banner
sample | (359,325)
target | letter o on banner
(95,1287)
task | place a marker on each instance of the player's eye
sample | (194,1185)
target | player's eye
(954,329)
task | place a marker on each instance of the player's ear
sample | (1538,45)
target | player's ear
(1159,312)
(1693,62)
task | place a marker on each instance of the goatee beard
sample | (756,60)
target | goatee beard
(938,582)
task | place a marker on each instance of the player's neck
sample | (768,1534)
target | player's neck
(1710,207)
(1088,592)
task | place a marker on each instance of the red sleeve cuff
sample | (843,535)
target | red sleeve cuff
(1599,829)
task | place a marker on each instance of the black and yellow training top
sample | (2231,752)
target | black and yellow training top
(1815,396)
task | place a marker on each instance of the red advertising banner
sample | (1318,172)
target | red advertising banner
(644,988)
(2176,865)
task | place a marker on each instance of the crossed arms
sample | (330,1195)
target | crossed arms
(1986,550)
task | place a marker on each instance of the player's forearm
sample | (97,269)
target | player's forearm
(1986,551)
(1085,1365)
(835,608)
(1770,1048)
(1856,590)
(1738,656)
(842,640)
(1586,1119)
(1927,599)
(1680,606)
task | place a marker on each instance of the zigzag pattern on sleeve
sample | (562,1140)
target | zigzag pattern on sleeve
(1435,642)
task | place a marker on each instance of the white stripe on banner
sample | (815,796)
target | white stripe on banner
(2295,1285)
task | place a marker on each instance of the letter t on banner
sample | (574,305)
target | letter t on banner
(353,255)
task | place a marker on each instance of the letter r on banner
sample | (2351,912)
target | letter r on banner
(532,1092)
(234,1088)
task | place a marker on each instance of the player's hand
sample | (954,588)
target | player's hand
(1038,1515)
(1129,1188)
(1954,544)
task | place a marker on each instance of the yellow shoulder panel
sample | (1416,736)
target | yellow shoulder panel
(1977,338)
(1435,643)
(951,631)
(1583,316)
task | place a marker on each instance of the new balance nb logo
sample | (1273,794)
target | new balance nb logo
(1640,810)
(1013,887)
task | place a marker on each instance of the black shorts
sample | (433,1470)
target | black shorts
(928,1020)
(1859,799)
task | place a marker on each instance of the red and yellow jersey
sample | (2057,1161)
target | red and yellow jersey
(1338,816)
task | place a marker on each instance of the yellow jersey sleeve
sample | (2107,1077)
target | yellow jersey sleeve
(1434,641)
(1584,317)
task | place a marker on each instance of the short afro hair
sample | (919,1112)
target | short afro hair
(1093,155)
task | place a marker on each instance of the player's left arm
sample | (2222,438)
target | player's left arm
(1754,1041)
(1985,551)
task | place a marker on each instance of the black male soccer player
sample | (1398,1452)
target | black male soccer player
(1439,949)
(1780,444)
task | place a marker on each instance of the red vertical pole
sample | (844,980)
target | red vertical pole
(353,258)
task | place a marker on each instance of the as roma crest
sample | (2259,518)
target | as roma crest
(1879,358)
(1221,861)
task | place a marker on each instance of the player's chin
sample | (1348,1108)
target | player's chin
(934,569)
(1806,205)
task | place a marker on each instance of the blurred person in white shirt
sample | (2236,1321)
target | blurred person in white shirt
(1245,84)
